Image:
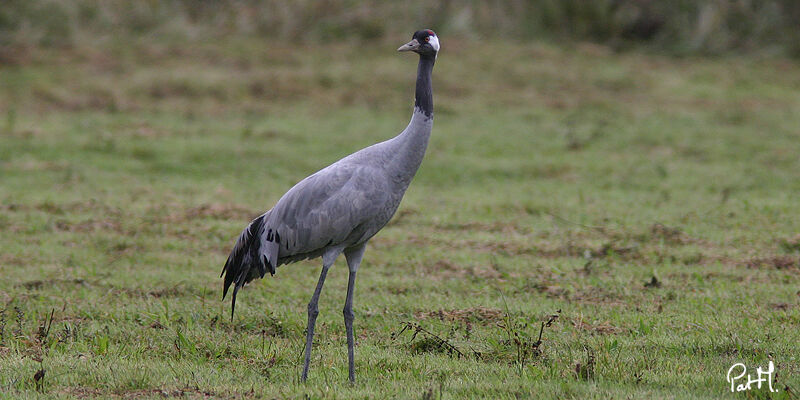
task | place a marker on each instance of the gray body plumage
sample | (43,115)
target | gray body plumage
(339,208)
(346,203)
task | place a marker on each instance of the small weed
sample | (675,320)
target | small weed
(653,283)
(183,345)
(102,342)
(44,329)
(433,393)
(69,333)
(517,334)
(38,379)
(638,376)
(585,371)
(20,321)
(2,326)
(429,342)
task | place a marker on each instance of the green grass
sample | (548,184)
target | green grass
(556,179)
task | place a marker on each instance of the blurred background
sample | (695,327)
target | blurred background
(677,27)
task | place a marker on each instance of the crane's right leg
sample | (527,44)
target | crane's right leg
(327,260)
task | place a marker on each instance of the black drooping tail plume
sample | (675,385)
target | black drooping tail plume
(245,263)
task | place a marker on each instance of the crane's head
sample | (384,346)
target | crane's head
(424,43)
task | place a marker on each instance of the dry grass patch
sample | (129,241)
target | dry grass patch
(597,295)
(597,327)
(445,269)
(483,315)
(775,262)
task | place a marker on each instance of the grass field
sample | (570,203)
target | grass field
(650,203)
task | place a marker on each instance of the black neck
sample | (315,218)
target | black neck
(423,99)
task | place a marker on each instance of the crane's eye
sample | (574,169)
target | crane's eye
(427,38)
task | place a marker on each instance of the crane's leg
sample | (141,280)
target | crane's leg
(353,256)
(313,310)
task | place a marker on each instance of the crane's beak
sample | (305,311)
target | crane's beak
(410,46)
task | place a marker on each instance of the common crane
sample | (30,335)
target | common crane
(339,208)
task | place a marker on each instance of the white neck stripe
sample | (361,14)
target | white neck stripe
(434,41)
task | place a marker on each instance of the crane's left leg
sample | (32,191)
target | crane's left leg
(353,256)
